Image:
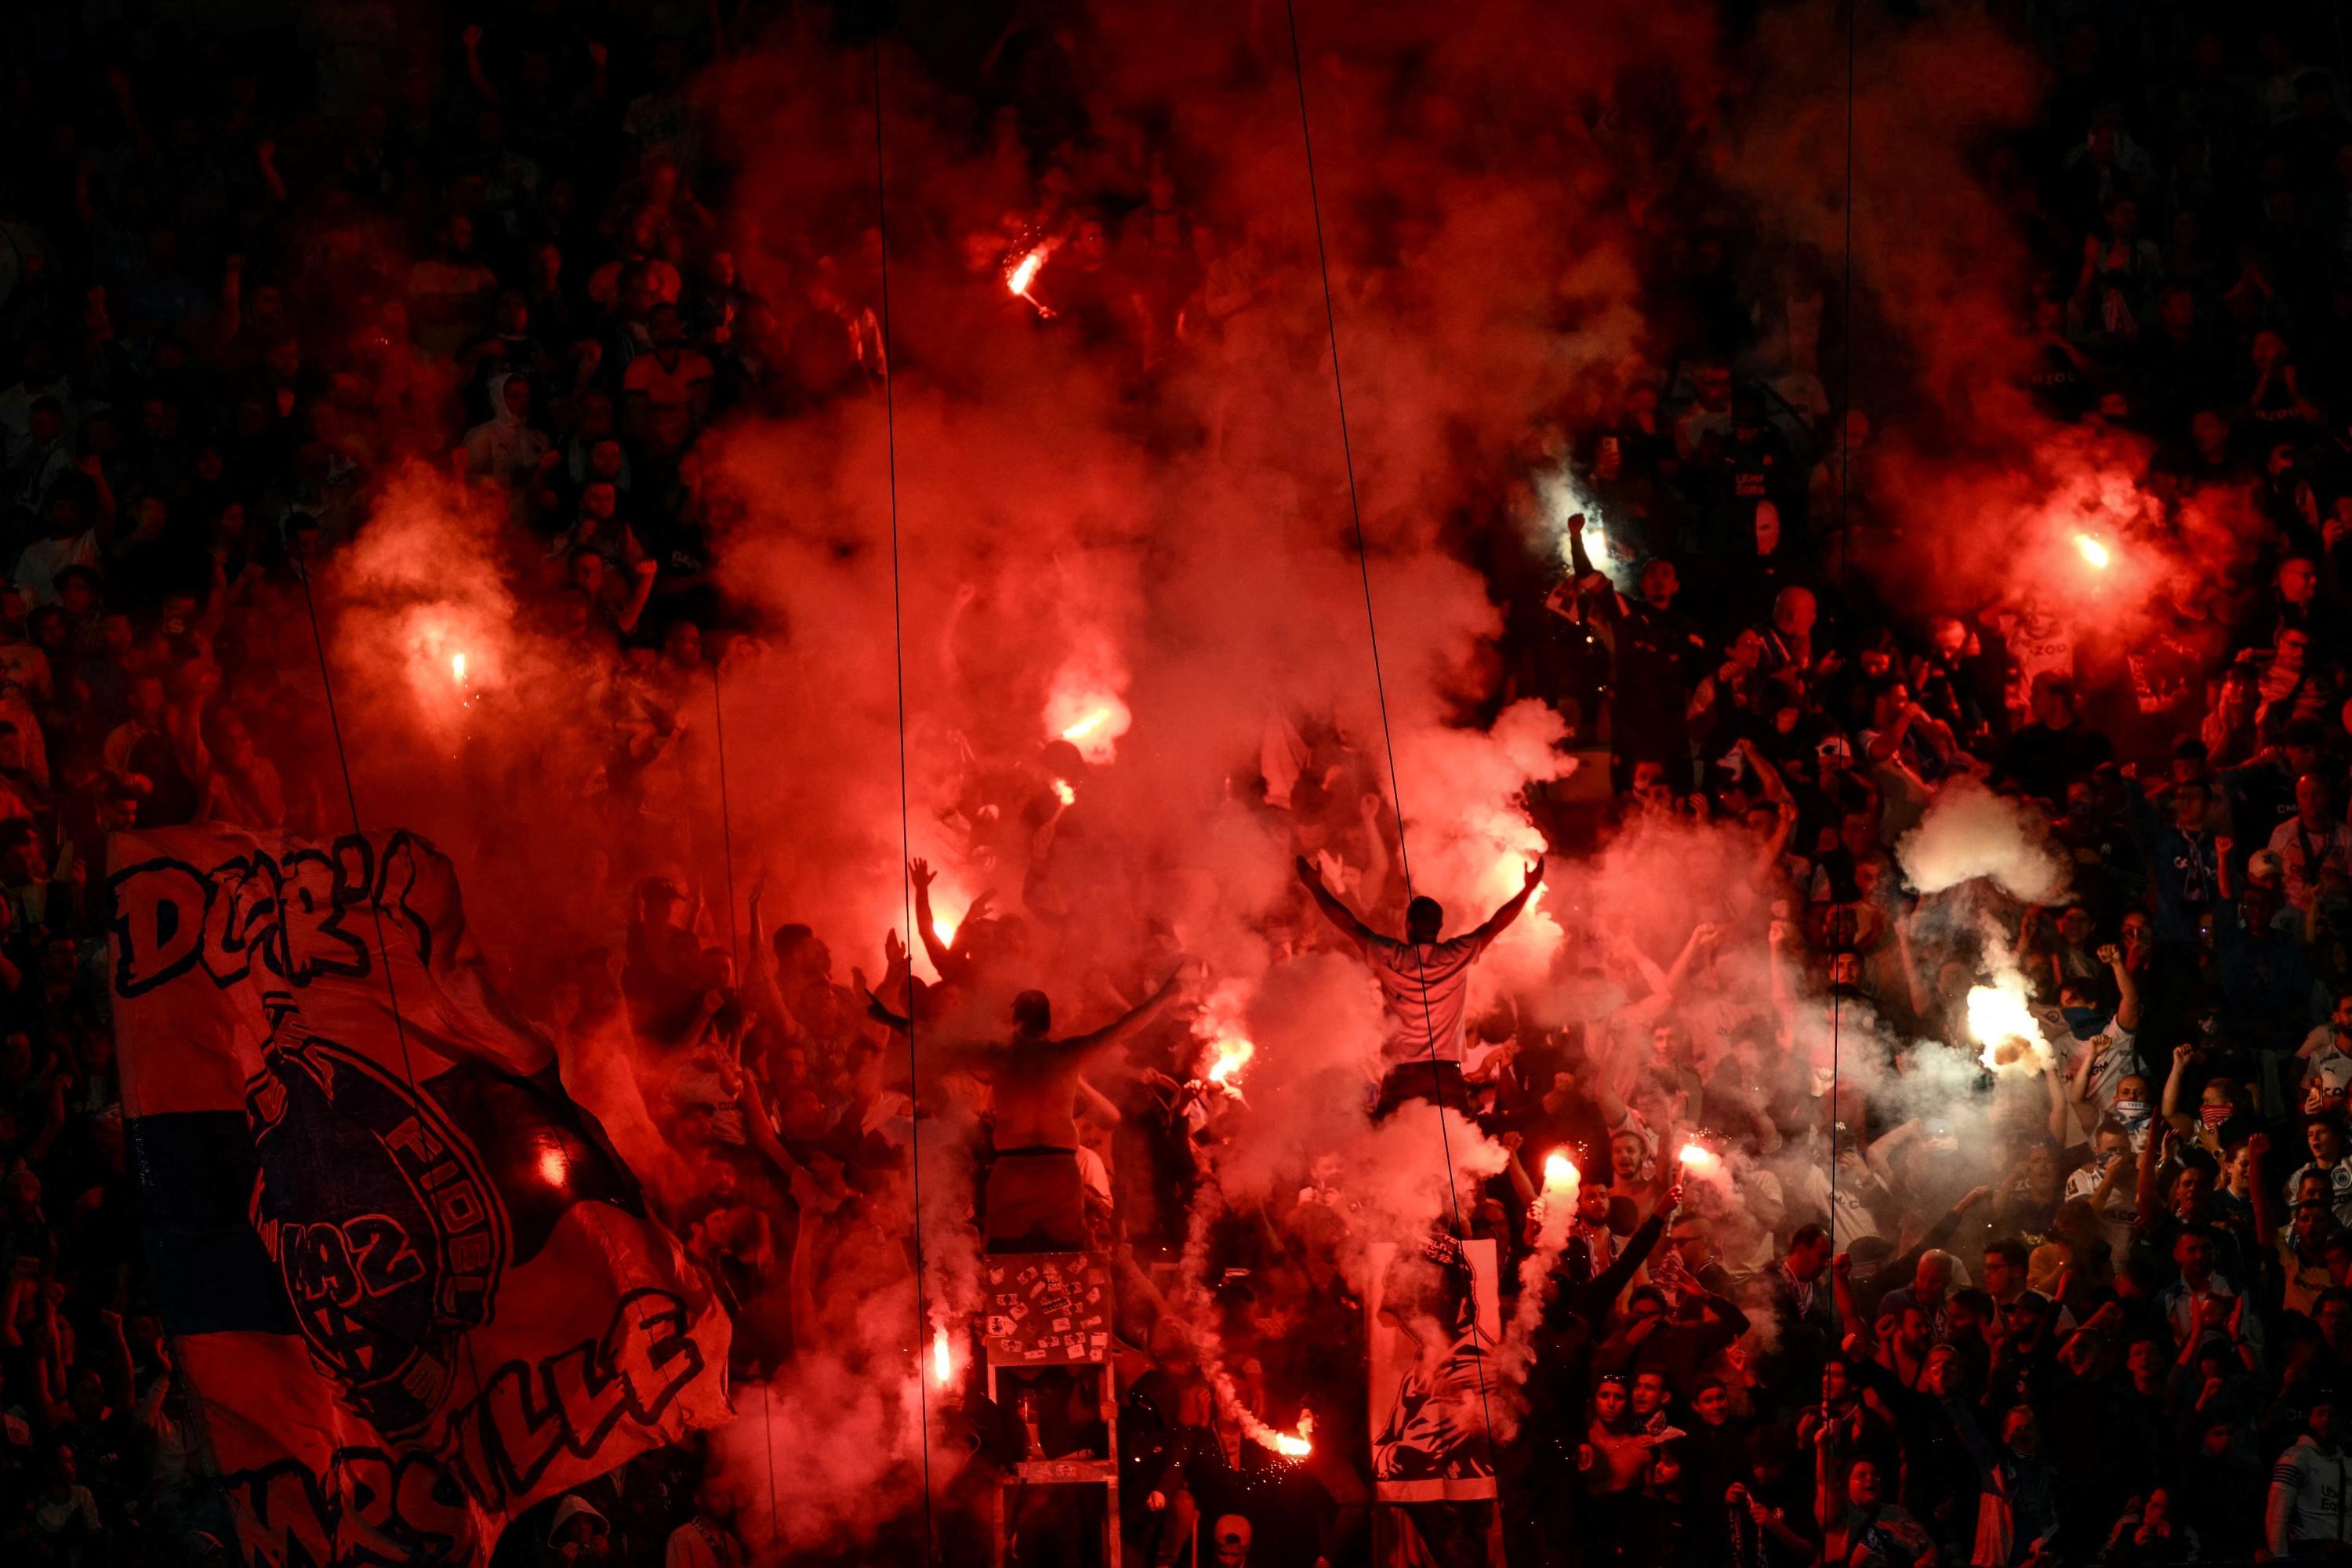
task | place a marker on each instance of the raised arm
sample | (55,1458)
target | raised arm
(1879,1153)
(475,74)
(1137,1019)
(1376,847)
(2174,1080)
(1702,938)
(641,590)
(762,982)
(943,955)
(1592,1301)
(1784,998)
(1502,918)
(1579,560)
(1338,914)
(1888,741)
(2078,1091)
(1922,1001)
(1849,1310)
(2055,1082)
(2266,1193)
(899,1023)
(2126,988)
(1098,1104)
(2144,1192)
(1776,844)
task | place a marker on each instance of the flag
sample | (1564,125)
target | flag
(1432,1317)
(412,1288)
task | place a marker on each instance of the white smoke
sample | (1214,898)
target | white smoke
(1969,833)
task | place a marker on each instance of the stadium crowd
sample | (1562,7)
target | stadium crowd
(2115,1330)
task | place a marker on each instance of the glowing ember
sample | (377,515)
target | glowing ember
(1064,793)
(2093,553)
(1233,1054)
(553,1167)
(1698,1157)
(942,1360)
(458,667)
(1559,1170)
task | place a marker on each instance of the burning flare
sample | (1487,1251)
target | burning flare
(1063,791)
(1559,1170)
(1024,273)
(1698,1157)
(1233,1054)
(2093,553)
(1221,1029)
(1094,730)
(1084,706)
(1289,1446)
(942,1360)
(458,667)
(2003,1023)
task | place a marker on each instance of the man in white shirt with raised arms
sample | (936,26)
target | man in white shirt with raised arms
(1426,983)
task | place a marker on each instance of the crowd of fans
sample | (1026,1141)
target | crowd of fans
(2096,1313)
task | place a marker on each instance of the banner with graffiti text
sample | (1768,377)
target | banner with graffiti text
(1432,1317)
(412,1288)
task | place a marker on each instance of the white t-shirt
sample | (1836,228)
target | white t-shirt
(2116,1218)
(1427,988)
(38,567)
(2304,856)
(1709,1020)
(53,1517)
(2327,1062)
(2113,1037)
(2339,1187)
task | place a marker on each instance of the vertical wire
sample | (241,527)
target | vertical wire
(1388,738)
(905,846)
(735,948)
(375,869)
(1845,531)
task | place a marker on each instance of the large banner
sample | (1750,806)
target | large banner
(1433,1318)
(411,1288)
